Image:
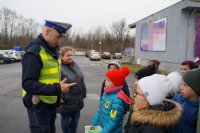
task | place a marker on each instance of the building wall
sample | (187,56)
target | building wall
(179,39)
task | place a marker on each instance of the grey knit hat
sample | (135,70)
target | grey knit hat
(192,78)
(117,65)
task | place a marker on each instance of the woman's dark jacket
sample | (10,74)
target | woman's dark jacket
(73,100)
(156,119)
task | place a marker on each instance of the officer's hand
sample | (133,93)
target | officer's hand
(65,86)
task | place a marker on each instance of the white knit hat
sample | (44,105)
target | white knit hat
(176,80)
(155,88)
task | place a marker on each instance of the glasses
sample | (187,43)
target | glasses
(137,93)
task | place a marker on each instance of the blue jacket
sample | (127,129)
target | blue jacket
(111,112)
(188,122)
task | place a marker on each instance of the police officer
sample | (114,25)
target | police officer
(41,77)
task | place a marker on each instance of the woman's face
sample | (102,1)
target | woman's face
(140,100)
(136,82)
(67,57)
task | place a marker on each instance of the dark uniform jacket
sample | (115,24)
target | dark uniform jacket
(157,119)
(31,65)
(73,100)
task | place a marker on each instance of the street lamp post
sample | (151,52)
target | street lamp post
(100,47)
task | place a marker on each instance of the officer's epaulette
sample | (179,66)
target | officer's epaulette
(33,48)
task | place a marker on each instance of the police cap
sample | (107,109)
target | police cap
(59,26)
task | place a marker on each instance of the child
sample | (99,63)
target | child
(187,65)
(152,113)
(113,66)
(189,99)
(156,63)
(113,104)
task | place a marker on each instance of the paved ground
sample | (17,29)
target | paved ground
(13,116)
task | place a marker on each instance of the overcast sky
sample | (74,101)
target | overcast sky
(86,14)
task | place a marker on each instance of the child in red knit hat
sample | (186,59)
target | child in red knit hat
(111,66)
(113,104)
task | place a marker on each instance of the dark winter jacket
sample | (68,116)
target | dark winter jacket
(157,119)
(31,65)
(125,88)
(188,122)
(73,100)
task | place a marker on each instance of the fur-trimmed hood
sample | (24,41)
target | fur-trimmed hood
(157,117)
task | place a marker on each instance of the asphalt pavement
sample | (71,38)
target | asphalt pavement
(13,115)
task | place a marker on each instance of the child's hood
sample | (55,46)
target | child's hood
(124,97)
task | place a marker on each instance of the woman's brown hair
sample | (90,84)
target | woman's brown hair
(64,50)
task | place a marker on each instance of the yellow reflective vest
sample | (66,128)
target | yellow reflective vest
(49,74)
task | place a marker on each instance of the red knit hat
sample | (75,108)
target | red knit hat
(118,76)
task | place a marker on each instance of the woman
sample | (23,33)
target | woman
(72,101)
(146,71)
(152,113)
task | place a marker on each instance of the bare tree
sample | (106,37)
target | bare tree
(16,29)
(13,17)
(26,30)
(98,39)
(119,29)
(98,32)
(89,40)
(32,27)
(5,22)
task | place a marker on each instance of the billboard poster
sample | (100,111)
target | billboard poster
(153,35)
